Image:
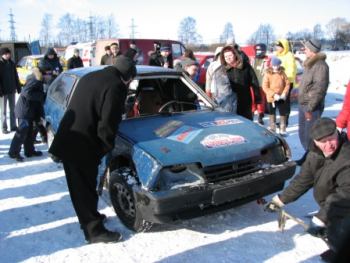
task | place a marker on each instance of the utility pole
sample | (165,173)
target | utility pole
(91,28)
(133,32)
(12,27)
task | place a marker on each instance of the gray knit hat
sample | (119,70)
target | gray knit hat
(314,45)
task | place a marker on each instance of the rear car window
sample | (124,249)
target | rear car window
(61,88)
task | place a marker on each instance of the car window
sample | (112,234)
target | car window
(207,62)
(61,88)
(176,50)
(22,62)
(166,95)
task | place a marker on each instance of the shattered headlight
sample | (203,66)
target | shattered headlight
(179,175)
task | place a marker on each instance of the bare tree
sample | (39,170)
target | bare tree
(317,32)
(112,27)
(264,34)
(66,26)
(187,31)
(46,29)
(334,28)
(227,34)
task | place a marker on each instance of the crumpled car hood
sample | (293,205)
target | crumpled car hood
(206,137)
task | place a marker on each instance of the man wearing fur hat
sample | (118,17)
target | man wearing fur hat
(86,133)
(326,170)
(312,91)
(9,84)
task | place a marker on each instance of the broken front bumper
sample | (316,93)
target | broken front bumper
(191,201)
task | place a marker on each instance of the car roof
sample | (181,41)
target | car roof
(35,56)
(142,70)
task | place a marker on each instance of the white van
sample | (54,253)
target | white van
(86,52)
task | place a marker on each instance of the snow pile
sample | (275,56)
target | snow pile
(38,223)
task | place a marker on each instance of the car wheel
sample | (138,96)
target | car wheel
(50,137)
(123,200)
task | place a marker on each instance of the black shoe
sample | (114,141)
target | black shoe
(5,132)
(302,159)
(32,154)
(14,129)
(36,141)
(328,256)
(260,119)
(17,157)
(105,236)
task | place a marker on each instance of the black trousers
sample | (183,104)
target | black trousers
(82,183)
(23,136)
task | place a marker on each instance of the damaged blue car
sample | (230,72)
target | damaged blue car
(176,154)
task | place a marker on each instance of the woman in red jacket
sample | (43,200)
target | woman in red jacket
(343,119)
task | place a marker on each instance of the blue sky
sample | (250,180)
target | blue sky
(161,19)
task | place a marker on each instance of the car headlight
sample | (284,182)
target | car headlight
(147,167)
(179,175)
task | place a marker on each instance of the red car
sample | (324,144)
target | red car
(204,59)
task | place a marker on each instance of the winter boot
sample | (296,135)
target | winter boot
(260,118)
(95,232)
(272,124)
(283,120)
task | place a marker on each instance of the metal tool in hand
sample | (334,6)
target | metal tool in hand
(283,216)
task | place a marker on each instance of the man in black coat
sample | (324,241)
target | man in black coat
(326,170)
(86,133)
(29,108)
(75,61)
(9,84)
(50,66)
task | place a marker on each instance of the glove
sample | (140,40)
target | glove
(317,228)
(283,97)
(276,97)
(308,115)
(274,205)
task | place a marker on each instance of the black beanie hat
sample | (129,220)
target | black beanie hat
(322,127)
(126,67)
(4,50)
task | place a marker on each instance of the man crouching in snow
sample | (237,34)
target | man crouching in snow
(327,170)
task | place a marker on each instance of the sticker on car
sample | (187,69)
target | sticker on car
(222,140)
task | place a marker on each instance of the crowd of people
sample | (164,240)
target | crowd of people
(237,83)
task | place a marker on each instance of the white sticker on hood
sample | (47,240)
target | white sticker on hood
(222,140)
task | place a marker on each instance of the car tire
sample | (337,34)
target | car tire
(50,137)
(123,200)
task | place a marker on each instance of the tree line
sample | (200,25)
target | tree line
(74,29)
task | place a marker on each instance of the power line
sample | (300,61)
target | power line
(12,27)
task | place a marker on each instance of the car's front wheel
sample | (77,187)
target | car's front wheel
(123,200)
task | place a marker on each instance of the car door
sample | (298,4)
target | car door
(57,99)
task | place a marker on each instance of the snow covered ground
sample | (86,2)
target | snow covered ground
(38,223)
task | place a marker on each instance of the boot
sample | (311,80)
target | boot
(260,118)
(283,120)
(95,232)
(272,125)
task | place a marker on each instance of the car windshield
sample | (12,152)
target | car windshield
(160,95)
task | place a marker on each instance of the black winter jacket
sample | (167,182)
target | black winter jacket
(30,103)
(330,179)
(88,128)
(9,82)
(75,62)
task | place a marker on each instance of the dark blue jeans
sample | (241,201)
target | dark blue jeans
(23,135)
